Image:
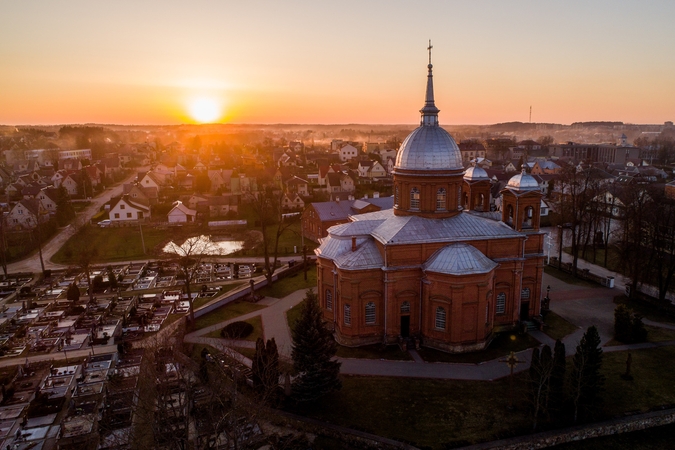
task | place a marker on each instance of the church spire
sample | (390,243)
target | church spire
(429,111)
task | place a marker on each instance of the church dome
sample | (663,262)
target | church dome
(523,182)
(429,148)
(475,173)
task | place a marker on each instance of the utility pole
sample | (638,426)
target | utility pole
(140,226)
(530,113)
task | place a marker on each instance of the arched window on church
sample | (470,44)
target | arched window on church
(329,300)
(415,198)
(466,201)
(481,200)
(440,318)
(509,214)
(501,303)
(441,200)
(405,307)
(396,196)
(370,313)
(348,315)
(527,217)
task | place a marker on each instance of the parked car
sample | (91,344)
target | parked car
(105,223)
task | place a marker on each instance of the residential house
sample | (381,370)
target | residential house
(292,201)
(181,213)
(138,194)
(24,214)
(348,152)
(218,205)
(123,209)
(298,185)
(371,170)
(152,180)
(339,182)
(471,149)
(220,179)
(545,168)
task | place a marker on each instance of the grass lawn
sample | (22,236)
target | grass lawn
(568,277)
(293,314)
(654,334)
(437,414)
(556,327)
(644,309)
(171,319)
(112,244)
(501,346)
(257,330)
(247,352)
(441,414)
(227,312)
(288,285)
(613,257)
(390,352)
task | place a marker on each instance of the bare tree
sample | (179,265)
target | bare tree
(189,256)
(267,206)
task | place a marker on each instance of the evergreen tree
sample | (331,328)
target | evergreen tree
(313,352)
(73,292)
(623,326)
(556,397)
(586,380)
(265,368)
(638,329)
(64,209)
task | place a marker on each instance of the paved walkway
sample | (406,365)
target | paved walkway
(579,304)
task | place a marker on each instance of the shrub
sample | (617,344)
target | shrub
(623,326)
(237,330)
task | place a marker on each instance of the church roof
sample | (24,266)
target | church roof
(523,182)
(459,259)
(412,229)
(366,256)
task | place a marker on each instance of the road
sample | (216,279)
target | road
(32,262)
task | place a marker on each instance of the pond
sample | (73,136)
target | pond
(203,245)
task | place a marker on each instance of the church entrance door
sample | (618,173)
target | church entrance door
(405,326)
(524,311)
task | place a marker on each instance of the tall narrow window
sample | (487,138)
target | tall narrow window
(501,303)
(396,196)
(405,307)
(329,300)
(348,315)
(527,217)
(509,214)
(415,198)
(440,318)
(370,313)
(441,200)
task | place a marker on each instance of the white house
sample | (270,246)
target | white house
(123,209)
(348,152)
(181,213)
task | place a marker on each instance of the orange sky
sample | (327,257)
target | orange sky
(341,62)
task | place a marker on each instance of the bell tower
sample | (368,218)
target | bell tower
(521,203)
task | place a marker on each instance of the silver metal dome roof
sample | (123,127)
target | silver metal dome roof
(459,259)
(523,182)
(475,173)
(430,148)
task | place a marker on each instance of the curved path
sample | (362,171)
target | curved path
(32,262)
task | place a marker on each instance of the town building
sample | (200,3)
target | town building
(431,271)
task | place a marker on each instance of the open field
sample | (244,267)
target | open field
(227,312)
(288,285)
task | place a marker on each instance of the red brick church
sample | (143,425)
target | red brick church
(439,267)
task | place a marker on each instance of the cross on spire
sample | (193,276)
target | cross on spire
(429,48)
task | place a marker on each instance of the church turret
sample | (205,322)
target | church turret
(476,190)
(521,203)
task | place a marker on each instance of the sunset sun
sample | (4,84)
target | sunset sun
(205,110)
